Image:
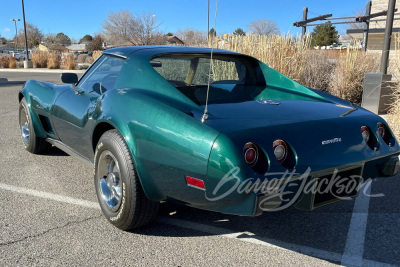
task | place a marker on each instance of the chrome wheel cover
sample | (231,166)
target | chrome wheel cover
(24,124)
(109,179)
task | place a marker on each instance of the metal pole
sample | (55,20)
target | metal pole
(304,28)
(16,32)
(26,38)
(365,33)
(388,35)
(16,39)
(208,20)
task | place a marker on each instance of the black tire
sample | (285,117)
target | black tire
(118,188)
(32,143)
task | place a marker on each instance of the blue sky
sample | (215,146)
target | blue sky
(77,18)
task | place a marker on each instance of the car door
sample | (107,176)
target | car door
(73,109)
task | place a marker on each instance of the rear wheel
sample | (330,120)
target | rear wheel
(32,143)
(118,188)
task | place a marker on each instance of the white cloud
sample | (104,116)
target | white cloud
(6,29)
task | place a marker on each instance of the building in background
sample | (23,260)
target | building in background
(376,34)
(377,28)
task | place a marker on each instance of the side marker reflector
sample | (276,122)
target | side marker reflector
(194,182)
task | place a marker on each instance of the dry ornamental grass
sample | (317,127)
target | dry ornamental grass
(53,60)
(96,54)
(394,113)
(69,62)
(348,77)
(39,59)
(284,53)
(12,64)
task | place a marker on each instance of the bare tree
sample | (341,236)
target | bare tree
(147,28)
(191,36)
(263,27)
(49,39)
(33,33)
(123,28)
(357,25)
(96,43)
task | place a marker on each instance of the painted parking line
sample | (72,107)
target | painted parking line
(216,231)
(354,248)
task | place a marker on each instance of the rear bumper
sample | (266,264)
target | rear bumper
(330,186)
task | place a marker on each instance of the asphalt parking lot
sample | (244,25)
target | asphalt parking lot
(50,216)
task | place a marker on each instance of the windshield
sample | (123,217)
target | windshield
(233,78)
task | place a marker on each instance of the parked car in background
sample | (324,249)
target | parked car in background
(4,53)
(168,124)
(22,56)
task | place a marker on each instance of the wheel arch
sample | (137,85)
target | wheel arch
(20,96)
(103,126)
(99,130)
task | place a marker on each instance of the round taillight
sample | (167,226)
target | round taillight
(250,155)
(280,150)
(381,129)
(365,133)
(250,152)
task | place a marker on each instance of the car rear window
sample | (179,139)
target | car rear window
(232,78)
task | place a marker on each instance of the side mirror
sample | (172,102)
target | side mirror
(69,78)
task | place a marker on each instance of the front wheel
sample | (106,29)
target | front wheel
(32,143)
(118,188)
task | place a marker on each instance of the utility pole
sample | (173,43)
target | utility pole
(304,28)
(27,62)
(16,39)
(365,33)
(388,36)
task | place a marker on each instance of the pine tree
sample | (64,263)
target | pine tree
(324,35)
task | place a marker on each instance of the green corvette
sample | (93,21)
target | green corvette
(226,134)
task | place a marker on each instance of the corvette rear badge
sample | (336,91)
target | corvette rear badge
(331,141)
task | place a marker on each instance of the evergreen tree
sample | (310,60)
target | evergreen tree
(325,34)
(239,31)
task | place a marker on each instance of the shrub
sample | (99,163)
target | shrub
(89,60)
(20,64)
(81,58)
(69,62)
(39,59)
(317,71)
(53,60)
(12,62)
(348,78)
(5,62)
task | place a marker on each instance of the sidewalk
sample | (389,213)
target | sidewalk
(42,70)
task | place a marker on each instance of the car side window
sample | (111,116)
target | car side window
(102,75)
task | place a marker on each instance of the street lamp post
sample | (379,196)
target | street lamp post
(16,39)
(27,62)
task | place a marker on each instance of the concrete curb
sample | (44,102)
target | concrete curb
(41,70)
